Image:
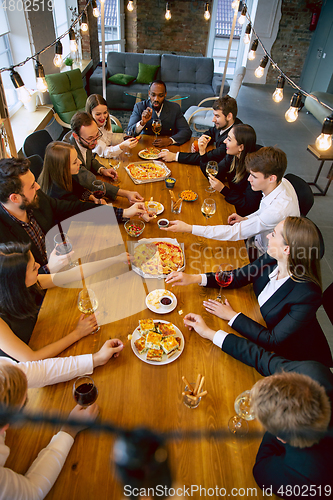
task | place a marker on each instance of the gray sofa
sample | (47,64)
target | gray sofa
(316,109)
(183,75)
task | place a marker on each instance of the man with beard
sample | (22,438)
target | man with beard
(174,125)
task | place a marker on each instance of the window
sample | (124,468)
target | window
(112,25)
(6,61)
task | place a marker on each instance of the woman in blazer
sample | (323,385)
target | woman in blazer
(287,283)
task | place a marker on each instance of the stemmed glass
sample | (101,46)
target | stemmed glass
(115,163)
(128,135)
(156,127)
(224,277)
(85,391)
(238,423)
(87,303)
(63,246)
(98,189)
(208,208)
(213,169)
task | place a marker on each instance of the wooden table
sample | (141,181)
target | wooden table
(133,393)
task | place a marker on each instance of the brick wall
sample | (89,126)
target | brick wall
(293,39)
(85,39)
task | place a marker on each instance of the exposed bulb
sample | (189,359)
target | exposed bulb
(168,15)
(96,12)
(130,6)
(207,15)
(246,38)
(234,4)
(72,45)
(291,115)
(57,60)
(23,95)
(41,84)
(323,142)
(259,72)
(277,95)
(84,22)
(241,20)
(252,55)
(84,27)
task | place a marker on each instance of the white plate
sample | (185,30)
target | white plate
(154,157)
(161,208)
(161,309)
(165,359)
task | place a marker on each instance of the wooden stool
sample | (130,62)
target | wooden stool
(321,156)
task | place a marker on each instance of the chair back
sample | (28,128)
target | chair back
(67,93)
(36,165)
(327,301)
(303,191)
(35,143)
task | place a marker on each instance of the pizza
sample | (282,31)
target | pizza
(146,171)
(160,340)
(149,153)
(158,258)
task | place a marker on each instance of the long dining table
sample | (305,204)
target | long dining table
(135,394)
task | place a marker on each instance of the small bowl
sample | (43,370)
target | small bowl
(170,182)
(168,301)
(162,223)
(134,227)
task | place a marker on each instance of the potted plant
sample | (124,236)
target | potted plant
(69,62)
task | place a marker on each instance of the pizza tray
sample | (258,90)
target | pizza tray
(160,163)
(139,271)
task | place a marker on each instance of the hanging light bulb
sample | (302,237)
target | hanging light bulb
(167,12)
(278,93)
(247,36)
(130,6)
(72,41)
(84,22)
(292,114)
(40,77)
(260,69)
(252,53)
(96,12)
(324,140)
(207,13)
(22,93)
(242,17)
(234,4)
(57,61)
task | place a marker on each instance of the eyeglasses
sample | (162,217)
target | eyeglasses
(98,136)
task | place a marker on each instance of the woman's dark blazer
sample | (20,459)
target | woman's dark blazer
(290,314)
(60,193)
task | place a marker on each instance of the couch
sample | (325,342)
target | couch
(315,108)
(183,75)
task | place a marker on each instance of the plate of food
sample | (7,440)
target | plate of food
(149,153)
(157,257)
(161,301)
(188,195)
(150,171)
(157,342)
(158,205)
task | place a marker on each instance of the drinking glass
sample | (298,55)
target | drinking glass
(190,403)
(87,303)
(115,163)
(156,127)
(224,277)
(208,208)
(63,246)
(238,423)
(128,135)
(213,169)
(98,189)
(85,391)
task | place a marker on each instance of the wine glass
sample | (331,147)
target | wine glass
(238,423)
(156,127)
(208,207)
(128,135)
(85,391)
(87,303)
(98,189)
(63,246)
(224,277)
(213,169)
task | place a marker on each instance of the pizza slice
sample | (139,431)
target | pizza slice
(140,345)
(167,329)
(146,325)
(153,340)
(169,345)
(154,355)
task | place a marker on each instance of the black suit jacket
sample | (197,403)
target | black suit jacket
(173,122)
(277,464)
(216,154)
(290,314)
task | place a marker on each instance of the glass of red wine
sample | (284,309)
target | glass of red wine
(85,391)
(98,189)
(224,277)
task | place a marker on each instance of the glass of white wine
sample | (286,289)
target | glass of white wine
(238,423)
(212,168)
(87,303)
(208,207)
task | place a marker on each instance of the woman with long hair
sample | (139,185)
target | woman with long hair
(240,141)
(287,283)
(97,107)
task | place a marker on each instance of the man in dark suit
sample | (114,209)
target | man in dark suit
(174,125)
(84,136)
(294,405)
(225,116)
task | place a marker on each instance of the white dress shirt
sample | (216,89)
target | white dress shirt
(273,208)
(103,147)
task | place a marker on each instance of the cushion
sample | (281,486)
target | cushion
(147,73)
(121,79)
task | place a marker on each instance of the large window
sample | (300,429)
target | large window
(113,27)
(6,61)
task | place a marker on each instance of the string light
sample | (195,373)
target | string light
(84,23)
(167,12)
(40,77)
(22,93)
(130,6)
(259,72)
(252,53)
(207,13)
(278,93)
(242,17)
(247,36)
(292,114)
(324,140)
(96,12)
(72,41)
(57,61)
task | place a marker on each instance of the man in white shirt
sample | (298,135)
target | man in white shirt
(15,379)
(266,168)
